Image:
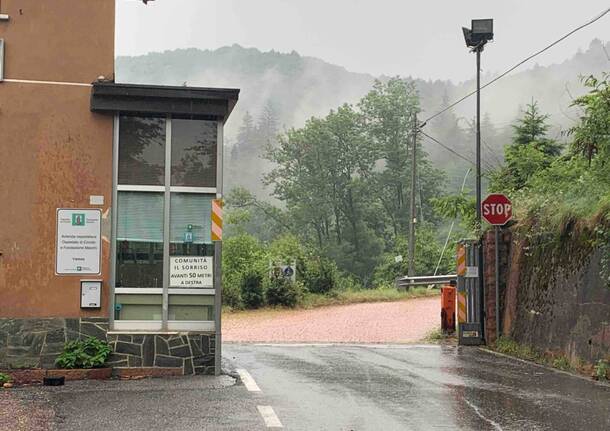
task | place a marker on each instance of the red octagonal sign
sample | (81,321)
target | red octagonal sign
(497,209)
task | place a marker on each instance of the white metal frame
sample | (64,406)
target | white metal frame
(164,325)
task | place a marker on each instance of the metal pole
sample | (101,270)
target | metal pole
(478,139)
(413,209)
(478,197)
(497,250)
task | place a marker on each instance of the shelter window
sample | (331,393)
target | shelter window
(165,181)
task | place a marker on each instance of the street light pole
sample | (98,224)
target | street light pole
(480,32)
(478,50)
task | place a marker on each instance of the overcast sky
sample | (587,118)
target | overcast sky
(391,37)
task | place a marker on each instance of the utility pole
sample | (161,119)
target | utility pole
(413,220)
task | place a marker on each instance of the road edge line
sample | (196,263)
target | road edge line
(248,381)
(269,416)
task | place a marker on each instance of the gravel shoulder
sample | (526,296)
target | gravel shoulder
(405,321)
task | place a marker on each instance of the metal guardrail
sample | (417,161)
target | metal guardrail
(425,280)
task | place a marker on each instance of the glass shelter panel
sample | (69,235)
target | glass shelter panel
(139,240)
(191,307)
(141,151)
(194,153)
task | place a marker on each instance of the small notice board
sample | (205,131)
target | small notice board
(78,243)
(191,271)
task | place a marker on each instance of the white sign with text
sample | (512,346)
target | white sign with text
(79,247)
(191,271)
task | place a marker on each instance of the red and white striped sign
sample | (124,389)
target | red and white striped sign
(217,220)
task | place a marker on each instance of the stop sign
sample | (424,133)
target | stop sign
(497,209)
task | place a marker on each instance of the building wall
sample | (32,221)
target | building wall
(54,153)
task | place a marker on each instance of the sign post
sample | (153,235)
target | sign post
(497,210)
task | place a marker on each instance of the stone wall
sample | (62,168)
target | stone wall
(552,298)
(36,343)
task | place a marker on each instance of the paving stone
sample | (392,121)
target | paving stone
(48,361)
(161,347)
(117,356)
(126,338)
(181,351)
(3,339)
(168,361)
(129,348)
(11,326)
(134,361)
(72,325)
(188,367)
(201,361)
(138,339)
(53,348)
(56,336)
(148,351)
(92,330)
(175,342)
(71,335)
(196,347)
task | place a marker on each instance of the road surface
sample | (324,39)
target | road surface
(411,387)
(326,387)
(404,321)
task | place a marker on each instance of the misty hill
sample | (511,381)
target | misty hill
(295,88)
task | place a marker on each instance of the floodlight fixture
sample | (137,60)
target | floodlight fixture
(480,32)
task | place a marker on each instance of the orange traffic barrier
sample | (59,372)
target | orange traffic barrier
(448,309)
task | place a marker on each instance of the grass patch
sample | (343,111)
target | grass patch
(344,297)
(512,348)
(353,296)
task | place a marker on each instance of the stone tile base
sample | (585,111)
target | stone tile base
(36,343)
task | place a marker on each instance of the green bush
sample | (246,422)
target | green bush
(282,291)
(231,293)
(252,290)
(4,378)
(88,353)
(321,276)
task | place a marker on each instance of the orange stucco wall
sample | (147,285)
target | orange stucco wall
(54,153)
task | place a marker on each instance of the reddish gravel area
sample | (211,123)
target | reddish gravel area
(404,321)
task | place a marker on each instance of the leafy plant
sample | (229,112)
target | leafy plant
(4,378)
(282,291)
(562,363)
(601,369)
(252,290)
(88,353)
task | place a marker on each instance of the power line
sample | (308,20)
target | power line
(455,153)
(598,17)
(451,150)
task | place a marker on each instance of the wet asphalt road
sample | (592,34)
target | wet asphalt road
(329,387)
(368,387)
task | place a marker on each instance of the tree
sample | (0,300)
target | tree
(531,129)
(387,112)
(530,152)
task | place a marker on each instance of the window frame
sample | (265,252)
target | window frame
(164,325)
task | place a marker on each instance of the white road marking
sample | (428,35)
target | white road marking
(479,414)
(248,380)
(269,416)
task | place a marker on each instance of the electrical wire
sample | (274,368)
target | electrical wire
(503,74)
(451,150)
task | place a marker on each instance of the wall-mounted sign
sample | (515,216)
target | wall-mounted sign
(472,272)
(78,248)
(191,271)
(90,293)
